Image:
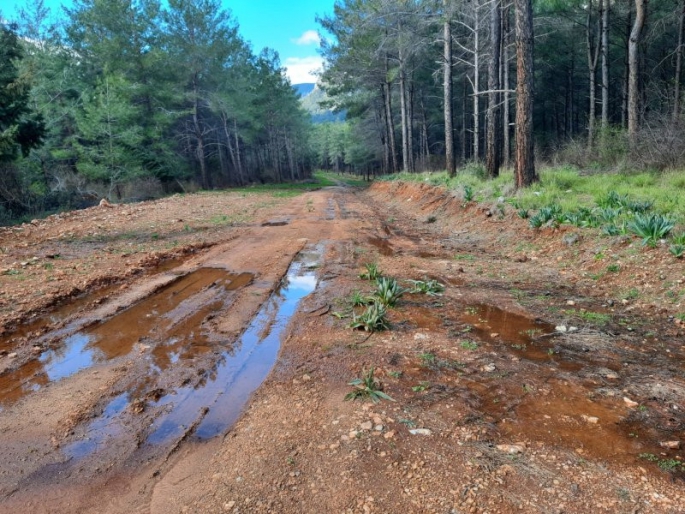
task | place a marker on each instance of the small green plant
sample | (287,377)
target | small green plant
(678,239)
(665,464)
(421,387)
(429,287)
(536,221)
(428,359)
(388,291)
(367,387)
(373,319)
(523,213)
(358,299)
(431,219)
(464,257)
(372,272)
(651,228)
(468,193)
(613,268)
(395,374)
(677,250)
(469,345)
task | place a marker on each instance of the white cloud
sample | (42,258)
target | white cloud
(303,69)
(310,37)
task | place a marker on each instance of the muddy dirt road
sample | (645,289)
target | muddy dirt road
(192,355)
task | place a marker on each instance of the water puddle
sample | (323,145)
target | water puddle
(72,306)
(168,317)
(101,430)
(382,245)
(517,331)
(215,404)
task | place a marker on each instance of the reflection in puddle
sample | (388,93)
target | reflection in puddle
(73,306)
(100,430)
(223,392)
(174,313)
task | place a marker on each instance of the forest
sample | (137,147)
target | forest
(427,85)
(131,100)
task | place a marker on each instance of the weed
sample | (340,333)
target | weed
(358,299)
(468,193)
(367,387)
(631,294)
(679,239)
(395,374)
(372,272)
(468,345)
(651,228)
(429,287)
(536,221)
(523,213)
(372,319)
(464,257)
(593,317)
(613,268)
(431,219)
(407,422)
(427,359)
(665,464)
(388,291)
(421,387)
(677,250)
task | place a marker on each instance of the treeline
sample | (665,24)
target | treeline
(131,99)
(427,84)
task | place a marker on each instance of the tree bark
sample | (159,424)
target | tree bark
(505,81)
(678,65)
(592,59)
(492,160)
(447,92)
(388,119)
(605,63)
(476,85)
(633,65)
(525,158)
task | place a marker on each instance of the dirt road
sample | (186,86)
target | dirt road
(192,355)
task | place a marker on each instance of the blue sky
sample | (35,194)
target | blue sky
(287,26)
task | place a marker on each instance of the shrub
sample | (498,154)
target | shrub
(651,228)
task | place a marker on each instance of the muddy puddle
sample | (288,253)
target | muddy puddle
(170,318)
(207,407)
(73,306)
(520,334)
(221,395)
(556,404)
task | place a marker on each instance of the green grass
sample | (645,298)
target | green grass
(566,187)
(289,189)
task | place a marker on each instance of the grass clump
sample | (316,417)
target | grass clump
(367,388)
(428,287)
(651,228)
(388,291)
(372,272)
(373,319)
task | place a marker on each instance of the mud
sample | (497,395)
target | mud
(216,382)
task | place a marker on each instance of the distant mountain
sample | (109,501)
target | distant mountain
(304,89)
(312,104)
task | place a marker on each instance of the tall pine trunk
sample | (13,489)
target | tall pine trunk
(678,65)
(447,93)
(605,64)
(633,67)
(492,160)
(525,158)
